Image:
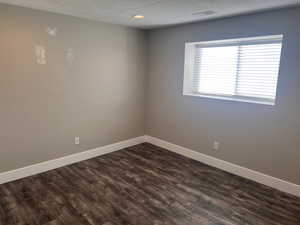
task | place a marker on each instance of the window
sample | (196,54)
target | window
(238,69)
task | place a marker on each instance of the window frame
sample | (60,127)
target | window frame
(189,64)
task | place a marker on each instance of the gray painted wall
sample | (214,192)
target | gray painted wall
(100,97)
(260,137)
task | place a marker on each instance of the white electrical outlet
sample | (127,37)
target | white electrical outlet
(216,146)
(77,140)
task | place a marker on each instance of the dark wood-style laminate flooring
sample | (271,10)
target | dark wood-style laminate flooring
(143,185)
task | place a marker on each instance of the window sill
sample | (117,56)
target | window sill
(233,98)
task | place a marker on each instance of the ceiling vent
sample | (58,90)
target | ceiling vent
(204,13)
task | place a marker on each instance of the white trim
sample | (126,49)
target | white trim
(209,160)
(234,98)
(67,160)
(270,181)
(188,77)
(248,40)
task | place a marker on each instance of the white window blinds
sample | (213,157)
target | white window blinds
(239,69)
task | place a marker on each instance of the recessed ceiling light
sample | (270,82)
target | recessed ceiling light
(138,16)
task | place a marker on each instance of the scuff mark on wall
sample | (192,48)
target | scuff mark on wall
(40,53)
(52,31)
(70,55)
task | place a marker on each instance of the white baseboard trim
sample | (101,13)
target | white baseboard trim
(270,181)
(67,160)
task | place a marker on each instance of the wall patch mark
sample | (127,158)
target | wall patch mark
(70,55)
(40,52)
(52,31)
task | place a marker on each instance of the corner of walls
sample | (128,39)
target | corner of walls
(147,77)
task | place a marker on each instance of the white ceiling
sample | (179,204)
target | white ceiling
(157,12)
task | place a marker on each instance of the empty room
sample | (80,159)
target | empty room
(149,112)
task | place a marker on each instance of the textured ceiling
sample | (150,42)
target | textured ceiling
(157,12)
